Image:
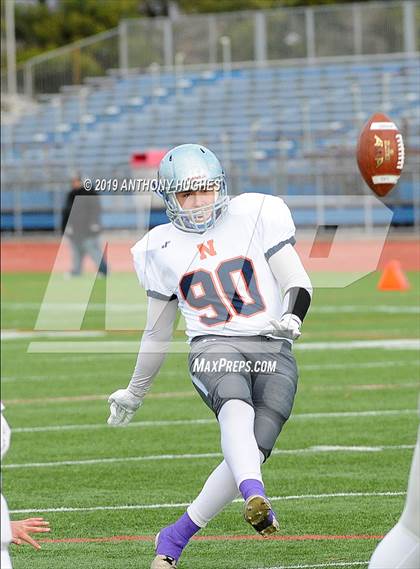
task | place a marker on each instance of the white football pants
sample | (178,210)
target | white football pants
(6,535)
(400,548)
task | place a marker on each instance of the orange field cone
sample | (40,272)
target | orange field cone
(393,277)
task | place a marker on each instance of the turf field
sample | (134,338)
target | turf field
(337,478)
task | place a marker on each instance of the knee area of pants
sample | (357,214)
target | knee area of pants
(219,403)
(279,408)
(265,452)
(275,416)
(233,387)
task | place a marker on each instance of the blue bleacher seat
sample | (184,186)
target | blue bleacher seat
(264,114)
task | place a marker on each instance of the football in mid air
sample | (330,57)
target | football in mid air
(380,154)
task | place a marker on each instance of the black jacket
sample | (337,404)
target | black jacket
(81,217)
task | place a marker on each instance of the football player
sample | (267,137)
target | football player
(400,548)
(230,267)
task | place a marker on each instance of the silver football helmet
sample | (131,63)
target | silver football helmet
(192,167)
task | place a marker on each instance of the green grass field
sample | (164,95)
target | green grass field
(349,441)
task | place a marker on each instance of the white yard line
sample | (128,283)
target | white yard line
(85,427)
(105,373)
(170,423)
(302,367)
(338,414)
(341,448)
(128,307)
(24,334)
(76,306)
(94,397)
(398,344)
(376,309)
(367,386)
(155,457)
(358,365)
(185,504)
(88,462)
(181,347)
(320,565)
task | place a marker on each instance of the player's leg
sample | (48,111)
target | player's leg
(218,491)
(5,562)
(240,449)
(233,400)
(274,394)
(400,548)
(77,257)
(95,252)
(217,389)
(221,376)
(410,518)
(222,486)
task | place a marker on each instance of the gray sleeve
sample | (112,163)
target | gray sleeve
(154,345)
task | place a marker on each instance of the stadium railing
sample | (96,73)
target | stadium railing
(259,36)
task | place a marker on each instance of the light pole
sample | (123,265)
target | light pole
(179,71)
(10,47)
(226,54)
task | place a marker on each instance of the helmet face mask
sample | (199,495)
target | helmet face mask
(192,168)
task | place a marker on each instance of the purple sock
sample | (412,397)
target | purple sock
(174,538)
(251,487)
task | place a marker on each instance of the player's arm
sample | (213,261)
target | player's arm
(161,315)
(297,292)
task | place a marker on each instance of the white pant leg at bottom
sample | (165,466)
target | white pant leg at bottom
(399,549)
(6,535)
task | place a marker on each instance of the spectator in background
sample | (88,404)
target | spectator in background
(82,226)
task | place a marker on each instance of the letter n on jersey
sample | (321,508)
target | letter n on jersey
(205,250)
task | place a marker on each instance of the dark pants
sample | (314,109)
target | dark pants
(90,246)
(258,370)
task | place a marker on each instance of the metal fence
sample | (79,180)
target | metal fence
(257,36)
(334,194)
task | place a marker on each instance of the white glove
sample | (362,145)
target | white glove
(287,327)
(123,405)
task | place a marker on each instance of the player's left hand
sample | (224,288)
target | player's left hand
(22,528)
(287,327)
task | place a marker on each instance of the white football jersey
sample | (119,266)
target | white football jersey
(222,279)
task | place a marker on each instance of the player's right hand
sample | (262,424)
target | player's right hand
(123,404)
